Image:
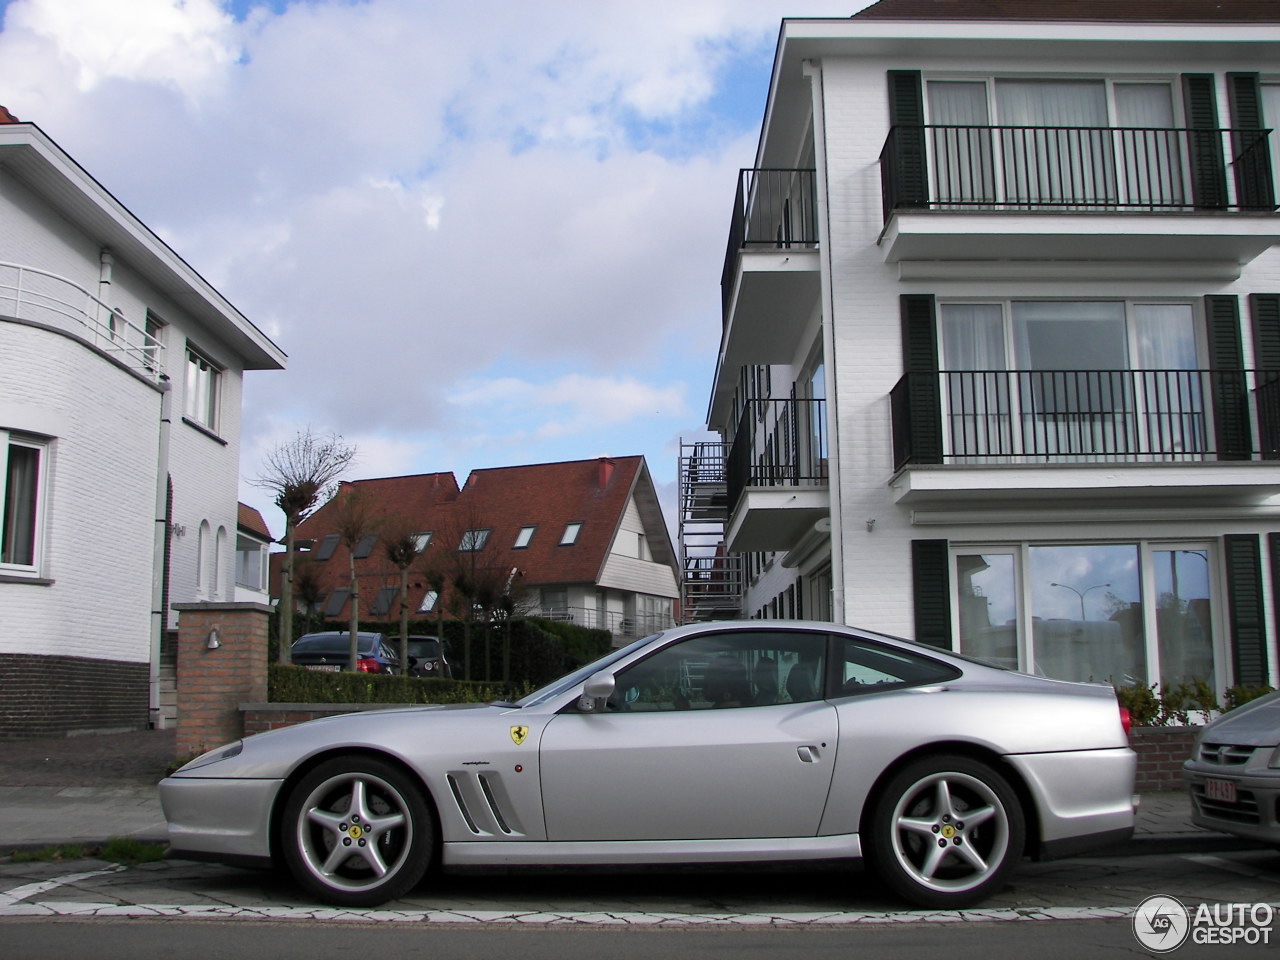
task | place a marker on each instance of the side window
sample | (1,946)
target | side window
(867,667)
(716,671)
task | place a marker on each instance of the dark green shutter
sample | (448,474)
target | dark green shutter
(1265,310)
(909,177)
(1250,152)
(931,584)
(1204,141)
(1242,555)
(1229,389)
(920,363)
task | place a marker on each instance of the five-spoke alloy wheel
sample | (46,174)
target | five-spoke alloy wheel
(357,832)
(946,831)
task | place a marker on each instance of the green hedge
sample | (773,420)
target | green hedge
(286,684)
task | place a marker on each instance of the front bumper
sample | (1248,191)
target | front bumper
(1255,813)
(227,821)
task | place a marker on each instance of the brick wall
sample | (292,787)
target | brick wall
(213,682)
(57,696)
(1161,753)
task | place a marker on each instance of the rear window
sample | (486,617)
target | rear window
(424,648)
(335,643)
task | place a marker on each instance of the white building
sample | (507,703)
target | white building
(120,382)
(1001,343)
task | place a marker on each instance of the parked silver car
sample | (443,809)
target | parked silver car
(1234,774)
(722,743)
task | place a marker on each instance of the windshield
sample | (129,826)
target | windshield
(557,687)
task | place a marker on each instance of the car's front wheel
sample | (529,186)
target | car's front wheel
(946,831)
(357,832)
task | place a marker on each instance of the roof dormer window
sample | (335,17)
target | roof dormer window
(570,535)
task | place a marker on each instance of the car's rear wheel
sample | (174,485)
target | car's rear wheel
(946,831)
(357,832)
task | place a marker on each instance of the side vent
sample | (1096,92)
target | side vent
(493,804)
(462,804)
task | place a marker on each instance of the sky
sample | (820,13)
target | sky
(486,233)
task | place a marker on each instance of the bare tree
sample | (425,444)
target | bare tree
(300,473)
(401,547)
(355,522)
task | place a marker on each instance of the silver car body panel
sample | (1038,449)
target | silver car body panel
(545,783)
(1237,751)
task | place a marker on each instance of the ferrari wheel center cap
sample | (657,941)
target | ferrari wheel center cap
(948,831)
(355,833)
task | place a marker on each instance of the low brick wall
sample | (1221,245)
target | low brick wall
(60,696)
(1161,753)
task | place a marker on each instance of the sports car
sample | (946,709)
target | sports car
(710,743)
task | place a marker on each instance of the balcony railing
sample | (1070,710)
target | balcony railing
(1108,169)
(42,297)
(772,208)
(1074,416)
(779,443)
(616,623)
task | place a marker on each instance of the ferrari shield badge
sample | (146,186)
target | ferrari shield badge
(518,734)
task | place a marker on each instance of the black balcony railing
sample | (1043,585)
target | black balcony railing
(779,443)
(1136,169)
(772,208)
(1024,416)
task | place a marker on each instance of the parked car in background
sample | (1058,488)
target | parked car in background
(728,742)
(1234,774)
(426,659)
(331,651)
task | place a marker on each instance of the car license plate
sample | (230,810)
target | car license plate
(1224,791)
(324,667)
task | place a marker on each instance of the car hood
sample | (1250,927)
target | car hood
(1256,724)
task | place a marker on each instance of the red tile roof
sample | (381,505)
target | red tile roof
(7,117)
(501,500)
(250,521)
(1166,11)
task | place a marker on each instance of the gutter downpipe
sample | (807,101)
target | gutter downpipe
(813,70)
(159,565)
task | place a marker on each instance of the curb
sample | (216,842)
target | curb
(1153,844)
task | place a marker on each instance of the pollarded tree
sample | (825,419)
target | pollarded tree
(401,547)
(355,522)
(300,473)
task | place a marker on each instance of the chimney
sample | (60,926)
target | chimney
(7,117)
(606,471)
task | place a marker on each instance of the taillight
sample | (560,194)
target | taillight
(367,665)
(1126,720)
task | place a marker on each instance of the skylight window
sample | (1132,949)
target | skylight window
(420,541)
(473,540)
(365,546)
(570,535)
(327,546)
(523,538)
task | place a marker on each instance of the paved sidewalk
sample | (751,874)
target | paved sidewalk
(86,790)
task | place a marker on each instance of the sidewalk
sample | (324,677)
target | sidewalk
(86,790)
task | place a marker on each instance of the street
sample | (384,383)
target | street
(68,909)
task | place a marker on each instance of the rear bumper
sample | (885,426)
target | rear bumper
(1083,799)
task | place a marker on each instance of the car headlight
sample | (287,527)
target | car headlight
(225,752)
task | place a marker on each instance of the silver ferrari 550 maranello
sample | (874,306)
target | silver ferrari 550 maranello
(712,743)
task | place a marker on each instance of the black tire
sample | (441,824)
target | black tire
(369,807)
(946,832)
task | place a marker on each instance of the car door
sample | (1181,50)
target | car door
(718,736)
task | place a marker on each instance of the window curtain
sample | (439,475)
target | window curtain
(18,536)
(1171,394)
(977,382)
(960,138)
(1056,145)
(1149,153)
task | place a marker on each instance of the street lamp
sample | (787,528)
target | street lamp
(1080,593)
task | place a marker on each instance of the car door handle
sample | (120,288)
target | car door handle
(808,754)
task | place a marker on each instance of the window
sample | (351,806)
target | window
(472,541)
(365,546)
(21,491)
(867,667)
(428,602)
(334,603)
(250,568)
(716,671)
(523,537)
(570,535)
(202,383)
(1120,612)
(327,546)
(382,602)
(420,541)
(151,343)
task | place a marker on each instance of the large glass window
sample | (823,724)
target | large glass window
(1119,612)
(21,485)
(250,568)
(201,389)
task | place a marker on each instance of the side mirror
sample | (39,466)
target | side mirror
(598,688)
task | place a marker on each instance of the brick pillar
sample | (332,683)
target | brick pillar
(216,676)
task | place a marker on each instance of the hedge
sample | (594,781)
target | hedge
(287,684)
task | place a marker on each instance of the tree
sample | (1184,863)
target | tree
(401,546)
(300,473)
(355,522)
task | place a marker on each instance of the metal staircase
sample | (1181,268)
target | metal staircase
(711,580)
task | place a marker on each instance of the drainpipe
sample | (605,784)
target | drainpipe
(159,565)
(105,262)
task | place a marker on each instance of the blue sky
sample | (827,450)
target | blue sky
(486,233)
